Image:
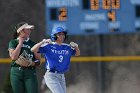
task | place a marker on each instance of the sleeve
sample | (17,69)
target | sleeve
(43,48)
(12,45)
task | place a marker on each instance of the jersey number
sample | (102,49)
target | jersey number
(60,58)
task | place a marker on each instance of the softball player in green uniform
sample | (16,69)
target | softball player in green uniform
(23,78)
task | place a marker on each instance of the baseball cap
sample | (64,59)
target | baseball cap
(22,26)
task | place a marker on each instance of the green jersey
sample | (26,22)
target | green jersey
(27,45)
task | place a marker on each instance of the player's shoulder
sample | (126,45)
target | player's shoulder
(65,44)
(47,44)
(13,41)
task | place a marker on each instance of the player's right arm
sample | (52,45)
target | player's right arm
(75,45)
(36,47)
(14,53)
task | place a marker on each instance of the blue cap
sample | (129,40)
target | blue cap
(55,31)
(58,30)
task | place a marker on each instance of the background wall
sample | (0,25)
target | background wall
(117,77)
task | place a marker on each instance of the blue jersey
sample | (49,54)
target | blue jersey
(58,56)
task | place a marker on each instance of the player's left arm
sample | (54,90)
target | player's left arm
(37,60)
(37,55)
(75,45)
(77,51)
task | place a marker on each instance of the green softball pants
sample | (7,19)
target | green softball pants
(24,80)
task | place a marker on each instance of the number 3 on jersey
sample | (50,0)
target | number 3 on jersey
(60,58)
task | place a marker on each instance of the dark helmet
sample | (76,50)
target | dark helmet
(57,30)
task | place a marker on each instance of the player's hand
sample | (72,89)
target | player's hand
(73,44)
(21,40)
(46,41)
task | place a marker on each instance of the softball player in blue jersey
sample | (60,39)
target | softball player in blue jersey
(58,56)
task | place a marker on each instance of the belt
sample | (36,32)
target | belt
(24,68)
(54,71)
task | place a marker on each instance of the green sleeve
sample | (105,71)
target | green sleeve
(12,44)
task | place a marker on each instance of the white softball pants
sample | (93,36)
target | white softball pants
(55,82)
